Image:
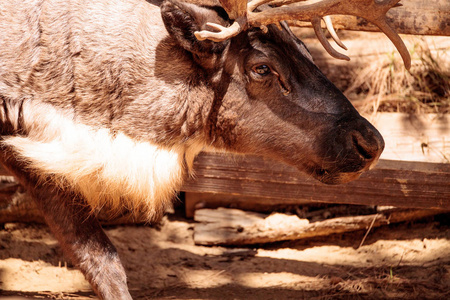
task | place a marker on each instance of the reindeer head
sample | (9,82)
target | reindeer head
(269,96)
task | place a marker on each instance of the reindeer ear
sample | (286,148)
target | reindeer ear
(183,19)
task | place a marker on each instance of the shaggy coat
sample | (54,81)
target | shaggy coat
(105,104)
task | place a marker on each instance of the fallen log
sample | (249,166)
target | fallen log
(236,227)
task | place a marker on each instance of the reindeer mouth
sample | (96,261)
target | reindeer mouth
(336,176)
(356,154)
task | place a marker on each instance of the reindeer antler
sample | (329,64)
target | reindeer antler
(314,11)
(237,11)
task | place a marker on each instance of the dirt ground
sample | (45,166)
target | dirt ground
(405,261)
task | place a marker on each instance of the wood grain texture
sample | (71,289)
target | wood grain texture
(424,137)
(236,227)
(392,183)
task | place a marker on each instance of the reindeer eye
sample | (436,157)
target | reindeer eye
(262,70)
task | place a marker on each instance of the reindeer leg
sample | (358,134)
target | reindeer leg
(77,230)
(83,240)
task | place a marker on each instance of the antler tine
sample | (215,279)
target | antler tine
(253,4)
(323,40)
(329,24)
(236,10)
(396,40)
(223,33)
(372,10)
(379,18)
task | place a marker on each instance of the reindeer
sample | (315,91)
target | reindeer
(105,104)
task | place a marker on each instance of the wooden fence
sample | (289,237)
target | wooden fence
(391,183)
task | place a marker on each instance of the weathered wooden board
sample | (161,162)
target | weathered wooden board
(414,138)
(236,227)
(392,183)
(422,17)
(408,137)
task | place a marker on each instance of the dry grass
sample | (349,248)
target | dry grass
(385,85)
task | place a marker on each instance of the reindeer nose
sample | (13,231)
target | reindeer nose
(367,141)
(369,147)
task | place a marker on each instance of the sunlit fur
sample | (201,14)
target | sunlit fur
(105,103)
(109,170)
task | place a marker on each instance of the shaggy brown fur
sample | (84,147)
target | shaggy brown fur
(106,104)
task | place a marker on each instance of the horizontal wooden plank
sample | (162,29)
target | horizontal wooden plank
(419,137)
(392,183)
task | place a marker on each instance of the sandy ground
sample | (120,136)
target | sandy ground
(407,261)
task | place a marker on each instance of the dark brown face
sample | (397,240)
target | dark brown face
(271,99)
(292,113)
